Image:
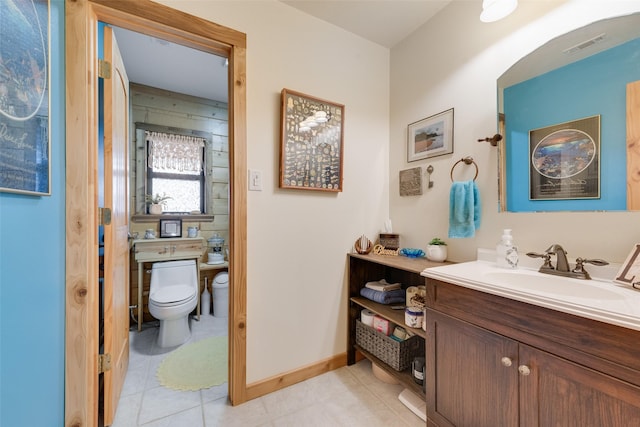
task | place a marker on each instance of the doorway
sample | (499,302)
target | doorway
(163,22)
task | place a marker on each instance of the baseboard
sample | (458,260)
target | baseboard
(281,381)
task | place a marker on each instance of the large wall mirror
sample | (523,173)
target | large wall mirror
(567,111)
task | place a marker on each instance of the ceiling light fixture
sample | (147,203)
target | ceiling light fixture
(494,10)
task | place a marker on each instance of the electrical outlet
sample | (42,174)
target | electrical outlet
(255,180)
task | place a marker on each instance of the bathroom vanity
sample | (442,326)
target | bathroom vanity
(169,249)
(499,357)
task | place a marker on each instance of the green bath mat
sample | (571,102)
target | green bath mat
(195,366)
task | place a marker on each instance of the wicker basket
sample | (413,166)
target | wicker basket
(397,354)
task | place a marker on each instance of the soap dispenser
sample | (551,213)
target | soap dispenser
(506,251)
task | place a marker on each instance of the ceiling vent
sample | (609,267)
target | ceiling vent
(585,44)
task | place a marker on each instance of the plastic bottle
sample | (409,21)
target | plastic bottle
(205,301)
(506,251)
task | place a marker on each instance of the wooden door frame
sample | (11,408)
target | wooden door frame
(81,318)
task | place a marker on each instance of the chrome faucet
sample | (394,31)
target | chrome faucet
(562,264)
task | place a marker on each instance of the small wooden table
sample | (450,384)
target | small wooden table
(170,249)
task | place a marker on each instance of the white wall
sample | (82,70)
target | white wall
(298,240)
(454,62)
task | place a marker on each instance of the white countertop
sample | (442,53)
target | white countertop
(598,299)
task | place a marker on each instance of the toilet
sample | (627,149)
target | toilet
(172,296)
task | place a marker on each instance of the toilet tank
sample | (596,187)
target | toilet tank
(174,273)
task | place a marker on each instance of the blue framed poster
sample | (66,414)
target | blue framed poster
(24,97)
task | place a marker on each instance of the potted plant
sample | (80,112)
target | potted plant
(437,250)
(156,203)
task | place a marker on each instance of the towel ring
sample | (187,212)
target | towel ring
(467,161)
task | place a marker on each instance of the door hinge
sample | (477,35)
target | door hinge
(104,216)
(104,363)
(104,69)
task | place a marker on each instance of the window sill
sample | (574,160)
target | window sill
(184,217)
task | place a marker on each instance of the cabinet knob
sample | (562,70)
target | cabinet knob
(524,370)
(506,361)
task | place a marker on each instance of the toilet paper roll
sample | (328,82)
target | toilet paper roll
(366,317)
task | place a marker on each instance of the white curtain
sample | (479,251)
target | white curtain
(181,153)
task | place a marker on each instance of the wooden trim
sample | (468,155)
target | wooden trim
(170,24)
(278,382)
(81,314)
(237,226)
(81,17)
(186,218)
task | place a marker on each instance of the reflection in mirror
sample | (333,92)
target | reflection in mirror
(565,113)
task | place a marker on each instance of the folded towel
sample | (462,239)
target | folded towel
(387,297)
(382,285)
(464,209)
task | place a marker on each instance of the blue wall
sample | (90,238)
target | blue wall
(32,277)
(590,87)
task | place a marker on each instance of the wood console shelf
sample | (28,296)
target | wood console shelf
(368,268)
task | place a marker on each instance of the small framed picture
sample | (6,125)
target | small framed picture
(430,137)
(170,228)
(411,182)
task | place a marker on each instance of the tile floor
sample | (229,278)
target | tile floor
(349,396)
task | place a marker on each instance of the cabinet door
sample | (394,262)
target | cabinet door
(472,376)
(556,392)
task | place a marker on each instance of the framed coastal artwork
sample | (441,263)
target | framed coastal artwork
(24,97)
(430,137)
(564,160)
(311,143)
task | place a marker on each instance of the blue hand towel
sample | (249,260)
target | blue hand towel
(464,209)
(384,297)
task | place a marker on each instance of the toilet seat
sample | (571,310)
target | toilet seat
(172,295)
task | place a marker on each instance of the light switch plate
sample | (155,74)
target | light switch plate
(255,180)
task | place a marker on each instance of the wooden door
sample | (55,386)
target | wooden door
(556,392)
(116,252)
(469,381)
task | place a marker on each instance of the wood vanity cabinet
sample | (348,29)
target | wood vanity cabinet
(493,361)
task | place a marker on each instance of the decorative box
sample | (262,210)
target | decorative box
(390,241)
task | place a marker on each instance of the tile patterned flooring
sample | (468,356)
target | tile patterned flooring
(349,396)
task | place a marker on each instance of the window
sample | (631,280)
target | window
(175,168)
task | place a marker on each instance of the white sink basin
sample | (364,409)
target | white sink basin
(600,300)
(556,285)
